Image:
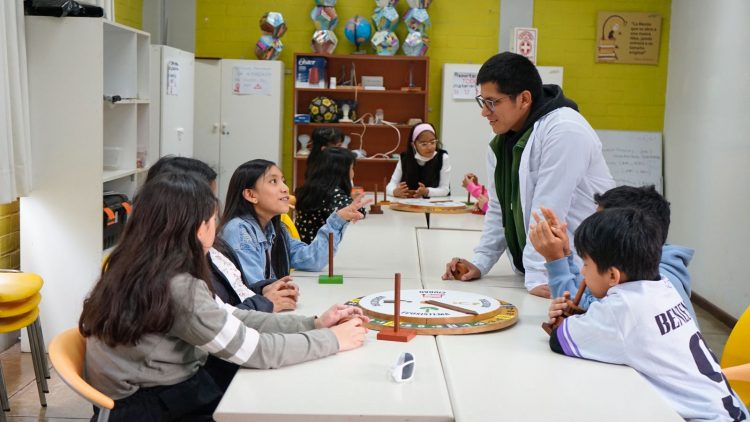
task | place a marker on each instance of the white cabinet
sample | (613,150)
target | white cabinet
(238,114)
(82,145)
(172,84)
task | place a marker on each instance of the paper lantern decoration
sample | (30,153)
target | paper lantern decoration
(272,23)
(323,110)
(415,44)
(324,42)
(268,48)
(385,43)
(324,17)
(419,4)
(358,30)
(417,20)
(385,18)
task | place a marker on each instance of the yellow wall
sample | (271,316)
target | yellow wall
(229,29)
(9,236)
(610,96)
(129,12)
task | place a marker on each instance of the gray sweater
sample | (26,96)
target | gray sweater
(204,325)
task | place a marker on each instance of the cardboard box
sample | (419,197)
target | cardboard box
(307,66)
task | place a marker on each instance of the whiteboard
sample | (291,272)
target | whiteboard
(634,158)
(464,133)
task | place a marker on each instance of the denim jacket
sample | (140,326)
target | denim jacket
(253,246)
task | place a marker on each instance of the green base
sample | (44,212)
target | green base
(334,279)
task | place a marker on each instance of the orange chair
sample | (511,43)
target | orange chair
(735,361)
(67,352)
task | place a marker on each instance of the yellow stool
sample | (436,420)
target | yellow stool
(19,308)
(736,357)
(67,351)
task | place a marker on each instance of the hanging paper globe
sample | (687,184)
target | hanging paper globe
(329,3)
(358,30)
(324,42)
(415,44)
(385,18)
(324,17)
(268,48)
(419,4)
(385,43)
(385,3)
(272,23)
(417,20)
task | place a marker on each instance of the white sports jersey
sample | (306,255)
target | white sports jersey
(645,325)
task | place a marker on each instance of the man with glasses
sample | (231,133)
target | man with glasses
(544,154)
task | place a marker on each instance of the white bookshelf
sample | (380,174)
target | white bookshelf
(82,145)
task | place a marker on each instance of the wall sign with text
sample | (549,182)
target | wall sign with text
(626,37)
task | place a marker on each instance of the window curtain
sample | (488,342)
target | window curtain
(15,142)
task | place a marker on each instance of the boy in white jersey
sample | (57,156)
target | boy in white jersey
(640,320)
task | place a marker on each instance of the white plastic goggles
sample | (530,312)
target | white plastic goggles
(403,369)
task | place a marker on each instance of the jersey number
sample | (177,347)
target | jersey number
(706,368)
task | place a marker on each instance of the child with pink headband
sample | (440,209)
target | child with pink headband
(424,169)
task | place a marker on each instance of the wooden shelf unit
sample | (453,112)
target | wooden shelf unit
(398,107)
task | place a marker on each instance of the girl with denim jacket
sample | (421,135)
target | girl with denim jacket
(256,197)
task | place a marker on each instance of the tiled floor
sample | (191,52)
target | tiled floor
(64,405)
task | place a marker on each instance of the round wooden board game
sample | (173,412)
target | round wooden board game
(426,318)
(436,207)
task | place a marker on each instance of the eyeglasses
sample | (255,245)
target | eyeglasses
(403,369)
(427,143)
(490,104)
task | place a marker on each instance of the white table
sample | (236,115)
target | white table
(507,375)
(377,247)
(349,385)
(513,375)
(438,246)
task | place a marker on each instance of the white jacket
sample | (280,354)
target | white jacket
(561,168)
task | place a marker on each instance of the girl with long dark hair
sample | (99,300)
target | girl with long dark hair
(326,190)
(151,320)
(424,169)
(322,138)
(256,197)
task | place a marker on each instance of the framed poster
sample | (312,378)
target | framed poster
(628,37)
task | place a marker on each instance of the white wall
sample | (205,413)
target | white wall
(707,150)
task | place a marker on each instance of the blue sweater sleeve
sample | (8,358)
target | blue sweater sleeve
(314,257)
(564,276)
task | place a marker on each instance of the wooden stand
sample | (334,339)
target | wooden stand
(573,309)
(385,200)
(375,207)
(397,333)
(330,278)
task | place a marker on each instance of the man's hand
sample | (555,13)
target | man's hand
(541,290)
(450,270)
